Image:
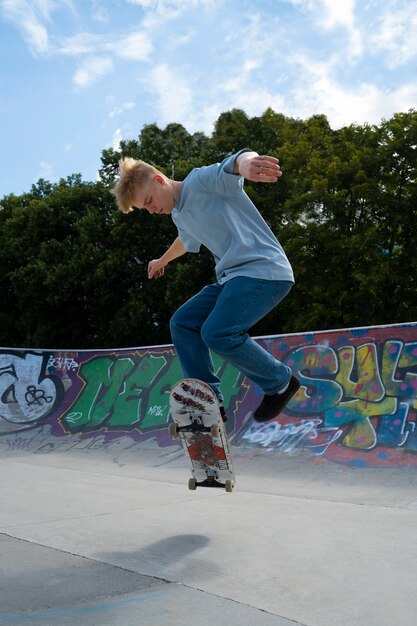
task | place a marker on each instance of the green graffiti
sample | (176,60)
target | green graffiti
(129,392)
(231,384)
(128,407)
(112,395)
(157,413)
(103,378)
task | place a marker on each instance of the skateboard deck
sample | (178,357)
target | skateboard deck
(198,423)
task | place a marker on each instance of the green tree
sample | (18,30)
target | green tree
(74,268)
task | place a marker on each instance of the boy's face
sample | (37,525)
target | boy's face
(155,197)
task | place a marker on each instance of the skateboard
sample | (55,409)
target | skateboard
(198,423)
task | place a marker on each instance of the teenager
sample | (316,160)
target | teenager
(210,207)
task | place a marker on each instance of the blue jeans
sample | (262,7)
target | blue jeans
(218,319)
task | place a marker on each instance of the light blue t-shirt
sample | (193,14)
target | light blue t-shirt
(213,210)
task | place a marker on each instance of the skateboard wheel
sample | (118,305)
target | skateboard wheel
(192,484)
(215,430)
(229,486)
(173,429)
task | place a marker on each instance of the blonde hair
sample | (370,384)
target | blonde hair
(133,174)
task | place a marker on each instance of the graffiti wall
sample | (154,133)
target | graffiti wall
(357,404)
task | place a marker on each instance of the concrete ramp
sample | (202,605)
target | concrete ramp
(55,587)
(97,525)
(88,537)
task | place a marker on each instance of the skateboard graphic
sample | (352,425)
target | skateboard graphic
(198,423)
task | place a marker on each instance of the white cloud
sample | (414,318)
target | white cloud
(81,43)
(175,6)
(145,4)
(172,92)
(24,15)
(91,70)
(45,170)
(116,139)
(136,46)
(395,33)
(33,18)
(47,7)
(305,5)
(36,36)
(126,106)
(343,105)
(242,92)
(341,14)
(387,26)
(203,118)
(158,12)
(330,15)
(30,17)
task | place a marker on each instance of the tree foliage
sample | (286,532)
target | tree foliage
(73,268)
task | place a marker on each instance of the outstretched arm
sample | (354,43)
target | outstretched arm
(156,267)
(259,169)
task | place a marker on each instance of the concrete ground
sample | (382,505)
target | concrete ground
(99,539)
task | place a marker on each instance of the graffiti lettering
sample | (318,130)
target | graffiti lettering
(61,363)
(133,393)
(27,393)
(34,395)
(292,437)
(351,386)
(357,401)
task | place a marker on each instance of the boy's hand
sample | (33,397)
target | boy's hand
(259,169)
(155,269)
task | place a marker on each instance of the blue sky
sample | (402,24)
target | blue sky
(76,76)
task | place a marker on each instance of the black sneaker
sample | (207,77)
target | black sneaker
(271,406)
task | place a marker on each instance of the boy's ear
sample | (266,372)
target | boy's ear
(158,179)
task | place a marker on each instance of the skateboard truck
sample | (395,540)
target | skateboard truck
(193,483)
(194,427)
